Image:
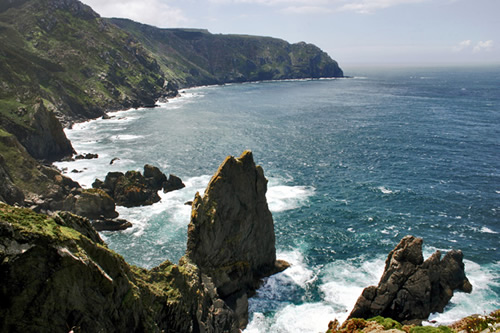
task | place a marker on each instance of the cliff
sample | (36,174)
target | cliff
(62,52)
(192,57)
(58,275)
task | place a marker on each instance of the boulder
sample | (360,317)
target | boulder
(173,183)
(231,233)
(111,224)
(410,288)
(93,204)
(154,176)
(88,156)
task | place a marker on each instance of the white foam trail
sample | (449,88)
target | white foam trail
(344,280)
(308,317)
(173,202)
(298,272)
(385,190)
(283,197)
(488,230)
(126,137)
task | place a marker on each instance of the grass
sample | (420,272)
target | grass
(29,223)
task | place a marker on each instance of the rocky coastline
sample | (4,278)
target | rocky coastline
(57,274)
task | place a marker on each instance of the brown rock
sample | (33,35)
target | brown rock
(411,289)
(173,183)
(231,233)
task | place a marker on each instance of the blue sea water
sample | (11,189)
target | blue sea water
(353,165)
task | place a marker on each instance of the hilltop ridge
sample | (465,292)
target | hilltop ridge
(197,57)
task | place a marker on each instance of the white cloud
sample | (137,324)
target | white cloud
(462,45)
(483,46)
(306,10)
(466,45)
(322,6)
(369,6)
(154,12)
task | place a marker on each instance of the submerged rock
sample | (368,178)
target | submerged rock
(231,233)
(410,288)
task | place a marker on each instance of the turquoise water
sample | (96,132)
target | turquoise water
(353,166)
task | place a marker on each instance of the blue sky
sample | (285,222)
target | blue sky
(354,32)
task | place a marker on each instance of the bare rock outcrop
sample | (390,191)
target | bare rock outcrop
(231,233)
(133,189)
(410,288)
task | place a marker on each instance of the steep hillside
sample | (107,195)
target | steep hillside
(62,52)
(196,57)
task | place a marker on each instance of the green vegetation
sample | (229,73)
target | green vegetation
(430,329)
(478,323)
(387,323)
(196,57)
(31,224)
(471,324)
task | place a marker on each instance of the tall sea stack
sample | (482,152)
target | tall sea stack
(231,233)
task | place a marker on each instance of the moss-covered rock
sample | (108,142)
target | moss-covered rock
(55,278)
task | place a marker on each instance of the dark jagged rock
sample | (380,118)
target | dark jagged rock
(57,275)
(231,233)
(154,176)
(173,183)
(132,189)
(114,160)
(9,192)
(135,189)
(88,156)
(410,288)
(111,224)
(42,136)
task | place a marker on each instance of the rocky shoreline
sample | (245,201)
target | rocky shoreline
(77,281)
(59,267)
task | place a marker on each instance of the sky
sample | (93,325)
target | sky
(353,32)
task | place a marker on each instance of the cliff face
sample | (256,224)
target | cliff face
(55,278)
(196,57)
(231,233)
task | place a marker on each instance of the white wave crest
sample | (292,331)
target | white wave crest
(282,197)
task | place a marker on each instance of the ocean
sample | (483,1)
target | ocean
(353,166)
